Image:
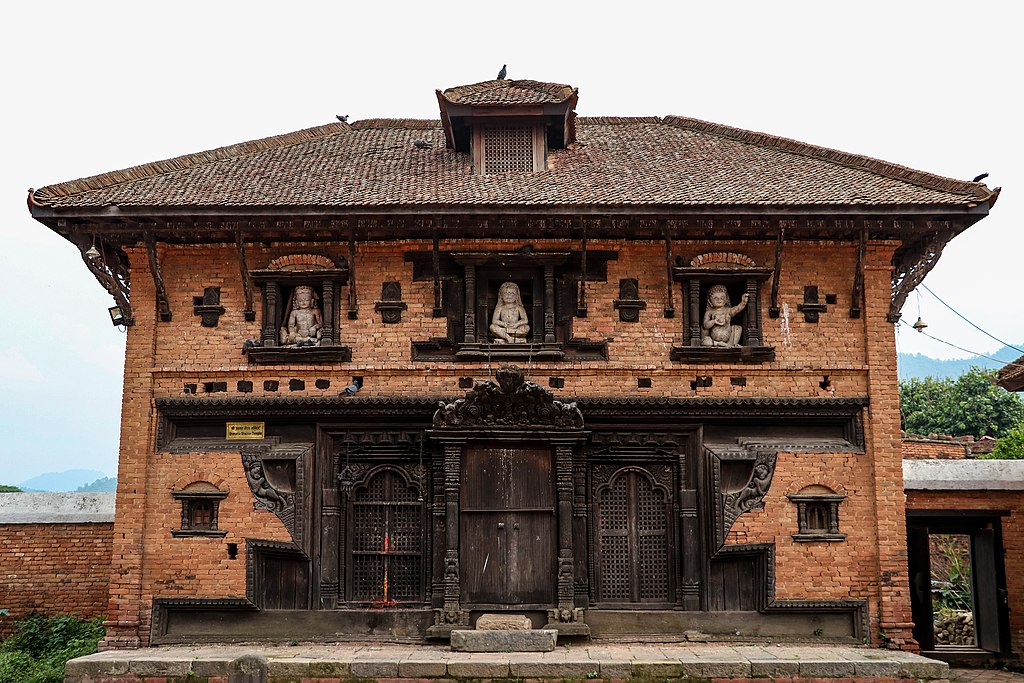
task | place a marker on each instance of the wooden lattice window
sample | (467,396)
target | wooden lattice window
(200,506)
(385,565)
(633,538)
(508,149)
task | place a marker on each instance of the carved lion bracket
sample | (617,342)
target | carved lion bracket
(913,261)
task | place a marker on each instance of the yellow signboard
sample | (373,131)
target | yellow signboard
(238,431)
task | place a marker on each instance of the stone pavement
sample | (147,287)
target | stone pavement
(984,676)
(330,663)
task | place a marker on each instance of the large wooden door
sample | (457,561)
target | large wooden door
(508,531)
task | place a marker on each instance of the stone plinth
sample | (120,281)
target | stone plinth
(541,640)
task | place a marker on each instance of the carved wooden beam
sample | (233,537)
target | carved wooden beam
(163,305)
(773,307)
(112,270)
(250,312)
(857,295)
(914,260)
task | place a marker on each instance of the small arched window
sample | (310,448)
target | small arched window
(817,514)
(200,505)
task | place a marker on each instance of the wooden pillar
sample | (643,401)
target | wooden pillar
(452,584)
(549,304)
(330,334)
(753,314)
(566,570)
(268,337)
(470,320)
(694,308)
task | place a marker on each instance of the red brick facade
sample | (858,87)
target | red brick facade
(54,569)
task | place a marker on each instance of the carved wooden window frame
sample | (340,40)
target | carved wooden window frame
(277,287)
(398,476)
(825,504)
(696,281)
(636,601)
(192,501)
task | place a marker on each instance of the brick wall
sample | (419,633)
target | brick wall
(54,569)
(857,356)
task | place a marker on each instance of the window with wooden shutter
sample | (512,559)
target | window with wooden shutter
(508,149)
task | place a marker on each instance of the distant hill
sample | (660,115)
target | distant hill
(68,480)
(916,365)
(104,485)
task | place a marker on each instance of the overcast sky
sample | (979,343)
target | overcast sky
(98,86)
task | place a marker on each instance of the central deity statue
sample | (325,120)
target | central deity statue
(305,324)
(718,329)
(509,324)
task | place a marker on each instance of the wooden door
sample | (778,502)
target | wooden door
(508,532)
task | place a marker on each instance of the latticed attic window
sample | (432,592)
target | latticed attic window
(508,149)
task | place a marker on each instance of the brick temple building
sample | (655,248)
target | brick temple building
(630,377)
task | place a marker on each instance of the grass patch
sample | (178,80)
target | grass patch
(41,646)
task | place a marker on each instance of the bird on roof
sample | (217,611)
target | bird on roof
(978,179)
(502,73)
(342,118)
(420,144)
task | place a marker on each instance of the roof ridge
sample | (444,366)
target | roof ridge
(68,188)
(418,124)
(612,120)
(860,161)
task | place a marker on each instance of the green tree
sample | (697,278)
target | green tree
(4,488)
(969,405)
(1010,447)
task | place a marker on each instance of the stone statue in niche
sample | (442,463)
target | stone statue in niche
(509,324)
(718,329)
(304,323)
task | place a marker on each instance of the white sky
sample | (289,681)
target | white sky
(98,86)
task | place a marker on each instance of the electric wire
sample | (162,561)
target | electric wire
(925,287)
(960,348)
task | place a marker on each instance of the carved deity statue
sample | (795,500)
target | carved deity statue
(718,329)
(509,324)
(304,324)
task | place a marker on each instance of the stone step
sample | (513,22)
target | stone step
(336,662)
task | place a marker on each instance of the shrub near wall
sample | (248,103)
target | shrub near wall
(56,554)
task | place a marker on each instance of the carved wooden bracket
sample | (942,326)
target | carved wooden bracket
(629,304)
(391,305)
(353,301)
(733,498)
(249,312)
(773,306)
(112,269)
(670,307)
(163,306)
(857,295)
(275,477)
(915,259)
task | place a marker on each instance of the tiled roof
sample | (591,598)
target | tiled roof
(1011,376)
(632,162)
(508,92)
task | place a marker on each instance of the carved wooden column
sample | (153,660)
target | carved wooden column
(694,308)
(331,589)
(269,334)
(330,334)
(688,594)
(549,304)
(470,321)
(440,528)
(452,611)
(753,316)
(566,571)
(580,513)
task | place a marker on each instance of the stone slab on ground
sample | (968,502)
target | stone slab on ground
(540,640)
(403,662)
